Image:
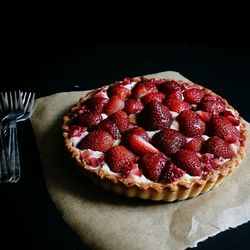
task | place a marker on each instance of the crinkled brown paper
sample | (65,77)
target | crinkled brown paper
(106,221)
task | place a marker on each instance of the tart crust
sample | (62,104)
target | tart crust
(179,190)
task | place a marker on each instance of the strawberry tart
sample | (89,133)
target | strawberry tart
(157,139)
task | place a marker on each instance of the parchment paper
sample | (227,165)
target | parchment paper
(107,221)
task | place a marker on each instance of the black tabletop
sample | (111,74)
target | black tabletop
(29,218)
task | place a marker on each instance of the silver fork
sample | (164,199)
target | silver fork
(18,107)
(4,158)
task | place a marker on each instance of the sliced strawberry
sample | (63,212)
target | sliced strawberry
(135,171)
(209,162)
(76,131)
(193,95)
(96,104)
(120,159)
(191,124)
(221,127)
(118,90)
(87,156)
(169,141)
(140,146)
(177,105)
(171,173)
(230,117)
(121,120)
(153,97)
(195,144)
(89,119)
(110,127)
(152,165)
(188,161)
(97,140)
(134,131)
(218,147)
(154,116)
(133,106)
(205,116)
(143,88)
(169,86)
(213,107)
(114,104)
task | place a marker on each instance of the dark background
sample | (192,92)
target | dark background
(207,44)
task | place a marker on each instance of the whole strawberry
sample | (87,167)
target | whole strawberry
(193,95)
(213,107)
(154,116)
(120,159)
(188,161)
(221,127)
(217,146)
(133,106)
(119,90)
(158,96)
(191,124)
(121,120)
(152,165)
(97,140)
(110,127)
(195,144)
(89,119)
(143,88)
(169,141)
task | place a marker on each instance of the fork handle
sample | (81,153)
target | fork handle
(13,153)
(4,163)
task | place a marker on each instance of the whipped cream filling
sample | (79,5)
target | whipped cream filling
(76,139)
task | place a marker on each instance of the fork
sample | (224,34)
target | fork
(4,156)
(18,108)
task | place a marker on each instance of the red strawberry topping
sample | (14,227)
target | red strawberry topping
(221,127)
(76,131)
(133,106)
(140,146)
(153,97)
(155,116)
(120,91)
(152,165)
(217,146)
(143,88)
(97,140)
(213,107)
(115,103)
(120,159)
(134,131)
(96,104)
(205,116)
(209,162)
(169,86)
(230,117)
(195,144)
(188,161)
(177,105)
(191,124)
(89,119)
(171,173)
(110,127)
(169,141)
(121,120)
(193,95)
